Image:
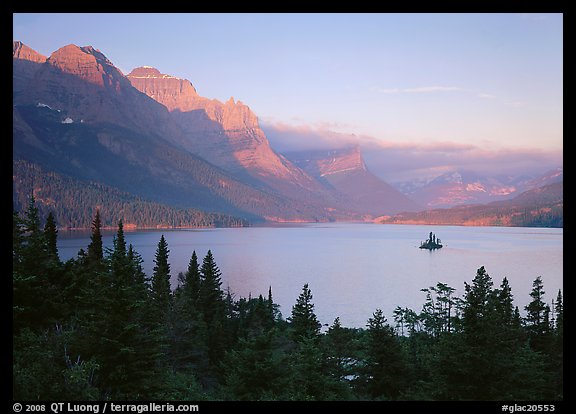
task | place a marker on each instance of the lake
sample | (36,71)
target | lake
(354,268)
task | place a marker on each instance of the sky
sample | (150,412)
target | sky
(491,82)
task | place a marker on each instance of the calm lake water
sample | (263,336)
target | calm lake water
(351,268)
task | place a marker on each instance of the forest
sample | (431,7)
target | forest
(73,195)
(96,327)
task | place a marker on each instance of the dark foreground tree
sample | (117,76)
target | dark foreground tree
(384,372)
(303,321)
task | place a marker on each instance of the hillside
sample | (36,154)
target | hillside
(540,207)
(345,172)
(77,115)
(74,203)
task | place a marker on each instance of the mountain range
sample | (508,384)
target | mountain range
(150,139)
(538,207)
(465,187)
(151,135)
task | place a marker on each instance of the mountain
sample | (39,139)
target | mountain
(538,207)
(344,172)
(225,134)
(74,203)
(463,187)
(25,63)
(78,116)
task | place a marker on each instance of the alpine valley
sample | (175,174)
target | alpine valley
(148,149)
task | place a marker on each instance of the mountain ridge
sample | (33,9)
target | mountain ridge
(226,134)
(345,171)
(77,107)
(538,207)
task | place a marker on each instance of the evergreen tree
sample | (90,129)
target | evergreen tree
(188,348)
(303,320)
(17,240)
(192,280)
(504,304)
(478,346)
(559,311)
(95,249)
(51,235)
(211,296)
(558,353)
(341,348)
(139,277)
(385,369)
(122,335)
(121,265)
(34,273)
(256,371)
(538,318)
(212,304)
(161,293)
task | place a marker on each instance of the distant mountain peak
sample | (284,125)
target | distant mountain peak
(86,63)
(25,63)
(328,162)
(21,51)
(149,72)
(174,93)
(344,171)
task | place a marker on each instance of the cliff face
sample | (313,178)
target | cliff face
(22,52)
(84,84)
(76,114)
(25,64)
(344,171)
(226,134)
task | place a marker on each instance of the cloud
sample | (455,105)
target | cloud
(422,89)
(516,104)
(441,89)
(404,161)
(429,89)
(286,138)
(398,161)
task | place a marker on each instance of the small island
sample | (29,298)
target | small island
(432,243)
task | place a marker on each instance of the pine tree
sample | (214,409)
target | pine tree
(478,345)
(303,321)
(213,307)
(120,263)
(479,301)
(139,277)
(95,249)
(51,235)
(504,304)
(121,335)
(559,311)
(537,317)
(188,347)
(211,296)
(33,288)
(385,367)
(558,357)
(192,280)
(255,371)
(161,293)
(340,347)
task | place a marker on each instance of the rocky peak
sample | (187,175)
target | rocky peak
(147,72)
(180,95)
(226,134)
(86,63)
(23,52)
(327,162)
(25,63)
(174,93)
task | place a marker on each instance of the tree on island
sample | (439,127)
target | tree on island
(431,243)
